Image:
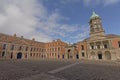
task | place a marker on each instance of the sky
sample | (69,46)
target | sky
(47,20)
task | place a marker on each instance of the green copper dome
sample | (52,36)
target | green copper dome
(94,15)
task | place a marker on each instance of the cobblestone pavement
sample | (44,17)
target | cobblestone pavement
(58,70)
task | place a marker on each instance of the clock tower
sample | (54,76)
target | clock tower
(95,23)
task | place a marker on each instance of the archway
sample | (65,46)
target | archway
(77,56)
(100,55)
(92,56)
(107,55)
(19,55)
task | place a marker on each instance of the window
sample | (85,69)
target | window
(98,46)
(119,44)
(34,54)
(55,54)
(63,56)
(105,46)
(58,49)
(3,53)
(52,49)
(83,54)
(37,54)
(4,46)
(82,47)
(20,48)
(26,48)
(92,47)
(12,47)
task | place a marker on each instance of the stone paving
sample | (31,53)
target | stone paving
(58,70)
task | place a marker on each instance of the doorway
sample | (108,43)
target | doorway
(99,56)
(77,56)
(19,55)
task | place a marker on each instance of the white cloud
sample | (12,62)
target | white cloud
(69,1)
(21,17)
(103,2)
(106,2)
(82,33)
(31,19)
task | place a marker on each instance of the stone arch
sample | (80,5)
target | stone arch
(107,55)
(19,55)
(100,55)
(92,55)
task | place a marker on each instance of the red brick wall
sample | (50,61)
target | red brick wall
(115,43)
(82,43)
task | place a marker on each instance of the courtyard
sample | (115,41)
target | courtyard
(59,70)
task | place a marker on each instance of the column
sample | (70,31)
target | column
(110,44)
(102,46)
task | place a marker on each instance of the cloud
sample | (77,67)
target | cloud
(81,34)
(69,1)
(21,17)
(98,2)
(31,19)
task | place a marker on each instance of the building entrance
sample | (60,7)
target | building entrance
(19,55)
(77,56)
(99,56)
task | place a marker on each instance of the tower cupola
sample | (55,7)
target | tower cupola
(95,23)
